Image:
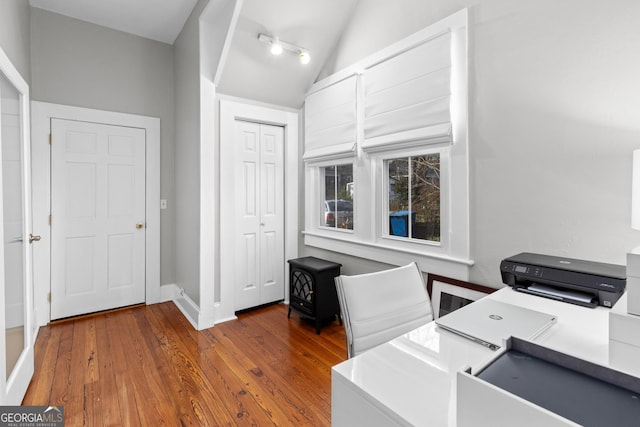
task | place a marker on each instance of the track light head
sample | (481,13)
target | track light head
(276,47)
(304,57)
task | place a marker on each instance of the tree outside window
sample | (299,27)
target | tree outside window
(414,197)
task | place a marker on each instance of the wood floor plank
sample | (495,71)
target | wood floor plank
(198,400)
(92,404)
(127,402)
(45,356)
(228,389)
(60,387)
(110,409)
(77,374)
(92,391)
(155,404)
(148,366)
(281,391)
(120,344)
(251,387)
(290,363)
(92,371)
(290,347)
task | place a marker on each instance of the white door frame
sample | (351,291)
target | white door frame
(230,111)
(41,115)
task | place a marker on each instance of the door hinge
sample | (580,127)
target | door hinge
(50,219)
(49,297)
(50,139)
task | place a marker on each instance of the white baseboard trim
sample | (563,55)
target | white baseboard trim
(226,319)
(169,292)
(189,308)
(35,332)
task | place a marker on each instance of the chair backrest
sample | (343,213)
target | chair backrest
(377,307)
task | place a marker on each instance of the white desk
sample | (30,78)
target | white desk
(411,379)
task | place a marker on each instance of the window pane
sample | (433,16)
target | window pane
(338,197)
(328,218)
(344,204)
(414,197)
(425,197)
(398,197)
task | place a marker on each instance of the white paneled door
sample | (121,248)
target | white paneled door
(98,217)
(259,210)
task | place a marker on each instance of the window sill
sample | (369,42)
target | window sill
(442,264)
(346,231)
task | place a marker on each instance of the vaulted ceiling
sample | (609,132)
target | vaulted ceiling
(160,20)
(250,70)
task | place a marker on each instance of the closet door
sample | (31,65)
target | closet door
(259,210)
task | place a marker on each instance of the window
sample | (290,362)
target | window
(413,197)
(338,196)
(396,126)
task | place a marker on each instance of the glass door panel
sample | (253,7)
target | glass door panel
(16,290)
(13,224)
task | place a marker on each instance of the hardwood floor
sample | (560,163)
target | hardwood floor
(147,366)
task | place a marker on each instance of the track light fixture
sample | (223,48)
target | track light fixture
(278,46)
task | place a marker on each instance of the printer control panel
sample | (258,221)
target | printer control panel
(524,269)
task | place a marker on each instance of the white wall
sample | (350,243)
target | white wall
(187,155)
(216,24)
(81,64)
(554,100)
(15,34)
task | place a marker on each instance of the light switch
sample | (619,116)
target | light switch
(163,204)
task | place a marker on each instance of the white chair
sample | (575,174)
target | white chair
(377,307)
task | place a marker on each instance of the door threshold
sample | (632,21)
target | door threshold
(95,313)
(257,307)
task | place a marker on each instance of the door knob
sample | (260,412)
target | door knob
(33,238)
(139,225)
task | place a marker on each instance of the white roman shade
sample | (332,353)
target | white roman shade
(407,97)
(330,122)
